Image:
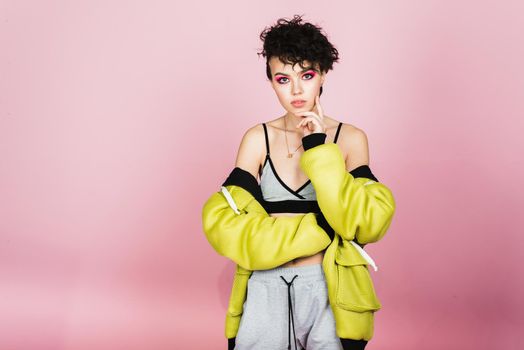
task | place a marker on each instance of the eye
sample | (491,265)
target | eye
(279,80)
(312,74)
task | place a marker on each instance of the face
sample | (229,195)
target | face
(294,83)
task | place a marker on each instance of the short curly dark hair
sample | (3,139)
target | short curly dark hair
(294,41)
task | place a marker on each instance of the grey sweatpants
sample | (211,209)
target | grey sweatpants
(287,306)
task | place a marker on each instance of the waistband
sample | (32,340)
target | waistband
(306,273)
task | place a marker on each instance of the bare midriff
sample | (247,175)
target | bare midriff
(302,261)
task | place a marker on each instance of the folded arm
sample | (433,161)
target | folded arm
(251,237)
(355,204)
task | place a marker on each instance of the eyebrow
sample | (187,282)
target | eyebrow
(302,71)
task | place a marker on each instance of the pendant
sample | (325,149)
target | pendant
(289,155)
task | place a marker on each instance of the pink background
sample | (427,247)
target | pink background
(119,119)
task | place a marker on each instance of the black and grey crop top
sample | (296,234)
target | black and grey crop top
(276,197)
(279,197)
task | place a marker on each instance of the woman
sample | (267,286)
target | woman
(284,296)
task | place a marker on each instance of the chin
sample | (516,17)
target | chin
(298,110)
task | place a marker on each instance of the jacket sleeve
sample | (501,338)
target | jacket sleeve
(355,204)
(249,235)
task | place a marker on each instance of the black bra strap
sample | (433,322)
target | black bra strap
(267,140)
(338,131)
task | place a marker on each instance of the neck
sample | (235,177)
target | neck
(291,121)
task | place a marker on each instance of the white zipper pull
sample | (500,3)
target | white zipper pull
(230,200)
(365,255)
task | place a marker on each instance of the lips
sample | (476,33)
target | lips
(298,103)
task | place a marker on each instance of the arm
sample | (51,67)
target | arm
(253,239)
(354,203)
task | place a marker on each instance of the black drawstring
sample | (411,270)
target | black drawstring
(290,315)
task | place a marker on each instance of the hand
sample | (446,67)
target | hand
(314,122)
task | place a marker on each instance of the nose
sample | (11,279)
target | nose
(297,88)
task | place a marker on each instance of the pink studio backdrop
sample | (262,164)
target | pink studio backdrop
(119,119)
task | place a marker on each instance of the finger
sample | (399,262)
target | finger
(311,126)
(306,121)
(312,122)
(315,117)
(313,114)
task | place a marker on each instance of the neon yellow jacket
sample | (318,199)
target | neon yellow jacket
(358,208)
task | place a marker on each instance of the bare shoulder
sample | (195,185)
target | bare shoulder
(354,146)
(351,134)
(251,150)
(348,133)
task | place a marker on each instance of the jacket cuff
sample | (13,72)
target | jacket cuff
(231,343)
(242,178)
(351,344)
(312,140)
(322,222)
(363,171)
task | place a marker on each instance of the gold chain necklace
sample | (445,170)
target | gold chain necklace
(289,154)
